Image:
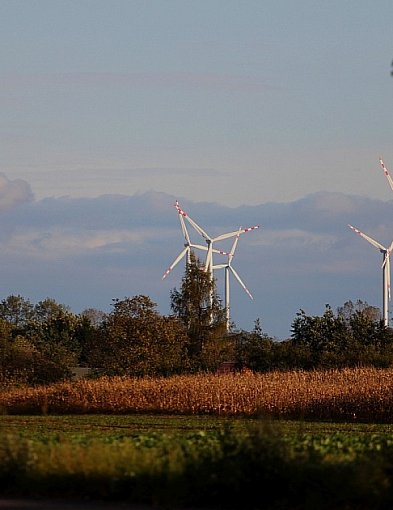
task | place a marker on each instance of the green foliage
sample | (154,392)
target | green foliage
(320,334)
(38,343)
(53,331)
(136,340)
(198,307)
(218,347)
(255,350)
(16,310)
(232,465)
(355,336)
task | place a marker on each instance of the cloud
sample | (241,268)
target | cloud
(86,251)
(296,238)
(58,242)
(13,193)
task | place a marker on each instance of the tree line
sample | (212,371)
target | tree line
(40,343)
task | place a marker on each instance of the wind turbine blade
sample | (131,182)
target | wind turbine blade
(385,171)
(220,252)
(184,229)
(248,229)
(233,249)
(368,238)
(198,246)
(235,233)
(205,248)
(182,223)
(240,281)
(220,266)
(234,245)
(226,236)
(191,221)
(197,228)
(177,259)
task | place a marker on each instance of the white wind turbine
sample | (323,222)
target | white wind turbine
(188,245)
(229,269)
(209,243)
(211,240)
(385,272)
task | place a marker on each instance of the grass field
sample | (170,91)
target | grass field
(178,461)
(340,441)
(205,441)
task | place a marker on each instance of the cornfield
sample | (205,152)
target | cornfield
(362,394)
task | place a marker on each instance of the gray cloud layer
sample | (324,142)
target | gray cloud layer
(84,252)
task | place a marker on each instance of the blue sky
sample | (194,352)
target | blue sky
(254,103)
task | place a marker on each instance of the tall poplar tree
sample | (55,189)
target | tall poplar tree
(203,317)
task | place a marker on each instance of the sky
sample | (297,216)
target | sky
(267,112)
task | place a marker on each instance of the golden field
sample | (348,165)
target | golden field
(362,394)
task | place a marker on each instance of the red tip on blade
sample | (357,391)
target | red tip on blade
(251,228)
(179,209)
(383,167)
(166,273)
(354,229)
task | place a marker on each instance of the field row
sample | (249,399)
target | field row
(363,394)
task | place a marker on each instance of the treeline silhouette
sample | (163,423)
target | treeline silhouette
(40,343)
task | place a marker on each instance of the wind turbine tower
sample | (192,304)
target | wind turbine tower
(385,272)
(229,269)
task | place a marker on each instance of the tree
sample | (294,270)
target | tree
(94,316)
(17,311)
(22,363)
(53,330)
(136,340)
(355,336)
(349,309)
(255,350)
(319,334)
(198,307)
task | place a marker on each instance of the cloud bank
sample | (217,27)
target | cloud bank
(85,252)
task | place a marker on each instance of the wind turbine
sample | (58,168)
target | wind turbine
(188,245)
(209,244)
(229,269)
(211,240)
(385,171)
(385,272)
